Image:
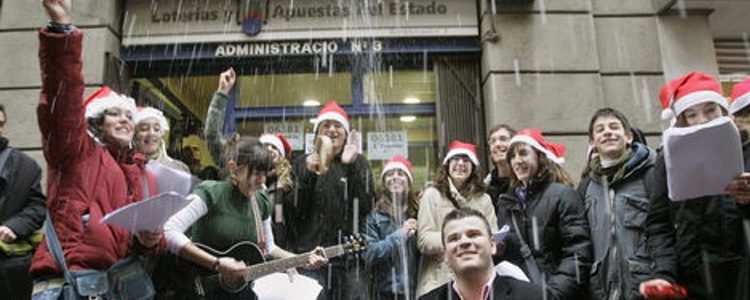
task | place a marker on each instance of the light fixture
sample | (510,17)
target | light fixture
(412,100)
(311,102)
(313,120)
(408,119)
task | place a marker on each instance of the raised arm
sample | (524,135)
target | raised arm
(60,112)
(216,113)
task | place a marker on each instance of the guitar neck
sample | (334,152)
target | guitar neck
(259,270)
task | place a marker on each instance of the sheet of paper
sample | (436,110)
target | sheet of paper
(149,214)
(701,160)
(168,179)
(505,268)
(277,287)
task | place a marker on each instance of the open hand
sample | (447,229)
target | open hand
(739,188)
(58,10)
(226,81)
(351,150)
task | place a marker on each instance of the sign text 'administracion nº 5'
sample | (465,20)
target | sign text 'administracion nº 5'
(296,48)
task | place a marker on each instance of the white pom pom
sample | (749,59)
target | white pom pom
(667,114)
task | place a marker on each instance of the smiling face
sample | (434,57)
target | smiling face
(148,135)
(396,181)
(524,161)
(610,138)
(499,142)
(468,245)
(335,131)
(275,153)
(699,114)
(460,168)
(117,127)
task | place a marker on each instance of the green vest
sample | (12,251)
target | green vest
(230,218)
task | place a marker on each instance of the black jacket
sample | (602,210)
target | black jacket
(503,288)
(497,185)
(642,245)
(22,204)
(563,251)
(324,205)
(710,242)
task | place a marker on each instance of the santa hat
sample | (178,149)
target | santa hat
(740,96)
(533,137)
(397,162)
(332,111)
(688,90)
(278,141)
(143,113)
(461,148)
(103,99)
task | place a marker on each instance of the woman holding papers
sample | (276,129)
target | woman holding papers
(224,213)
(390,232)
(549,235)
(92,167)
(632,235)
(710,243)
(740,109)
(456,185)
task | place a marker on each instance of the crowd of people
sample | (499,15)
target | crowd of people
(526,230)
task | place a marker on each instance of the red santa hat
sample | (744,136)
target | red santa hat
(461,148)
(740,96)
(533,137)
(143,113)
(398,162)
(691,89)
(278,141)
(332,111)
(105,98)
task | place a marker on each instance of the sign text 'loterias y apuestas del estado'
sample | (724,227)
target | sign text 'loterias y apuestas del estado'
(376,9)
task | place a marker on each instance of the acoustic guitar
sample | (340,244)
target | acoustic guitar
(207,284)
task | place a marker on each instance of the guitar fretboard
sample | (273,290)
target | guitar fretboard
(259,270)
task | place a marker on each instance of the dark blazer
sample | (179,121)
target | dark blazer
(22,204)
(503,288)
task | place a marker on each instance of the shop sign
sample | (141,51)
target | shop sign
(149,22)
(385,145)
(292,131)
(296,48)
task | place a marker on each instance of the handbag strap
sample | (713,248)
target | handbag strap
(528,257)
(53,244)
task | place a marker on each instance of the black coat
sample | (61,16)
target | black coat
(503,288)
(22,204)
(642,245)
(323,206)
(563,252)
(709,241)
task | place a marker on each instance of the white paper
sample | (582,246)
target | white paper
(168,179)
(701,160)
(149,214)
(506,268)
(500,235)
(277,287)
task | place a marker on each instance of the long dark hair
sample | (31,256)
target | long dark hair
(474,184)
(546,167)
(386,201)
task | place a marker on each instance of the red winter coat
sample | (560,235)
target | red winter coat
(84,176)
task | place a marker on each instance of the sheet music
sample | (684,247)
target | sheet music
(168,179)
(701,160)
(148,214)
